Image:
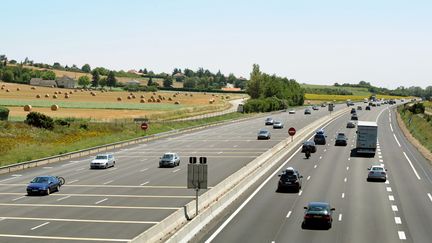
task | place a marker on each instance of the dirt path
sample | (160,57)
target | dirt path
(233,108)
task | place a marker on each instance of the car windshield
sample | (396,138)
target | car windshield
(101,157)
(40,180)
(168,156)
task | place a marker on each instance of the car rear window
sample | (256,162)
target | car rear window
(101,157)
(167,156)
(40,180)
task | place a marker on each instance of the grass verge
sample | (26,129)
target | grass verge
(420,126)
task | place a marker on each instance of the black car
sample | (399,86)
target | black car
(354,117)
(353,111)
(341,140)
(320,138)
(368,108)
(318,214)
(290,179)
(308,145)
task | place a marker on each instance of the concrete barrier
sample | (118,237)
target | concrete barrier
(177,227)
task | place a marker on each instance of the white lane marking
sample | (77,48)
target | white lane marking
(228,220)
(349,158)
(391,127)
(73,181)
(320,157)
(147,182)
(308,178)
(235,146)
(315,166)
(397,141)
(382,164)
(289,214)
(380,156)
(80,169)
(325,149)
(345,179)
(16,175)
(47,167)
(398,220)
(108,182)
(394,208)
(300,192)
(63,198)
(1,219)
(387,182)
(101,201)
(381,160)
(40,226)
(388,189)
(401,235)
(430,196)
(412,166)
(220,153)
(63,238)
(143,169)
(347,167)
(379,152)
(82,220)
(391,198)
(378,149)
(18,198)
(343,195)
(340,217)
(174,171)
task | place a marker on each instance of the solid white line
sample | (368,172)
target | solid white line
(394,208)
(7,179)
(300,192)
(412,166)
(108,182)
(398,220)
(343,195)
(391,198)
(40,226)
(401,235)
(430,196)
(101,201)
(85,206)
(308,178)
(388,189)
(73,181)
(16,175)
(397,141)
(83,220)
(391,127)
(228,220)
(174,171)
(340,217)
(63,238)
(47,167)
(63,198)
(289,214)
(18,198)
(147,182)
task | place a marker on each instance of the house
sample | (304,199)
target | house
(41,82)
(133,82)
(66,82)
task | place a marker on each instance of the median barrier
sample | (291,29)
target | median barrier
(177,227)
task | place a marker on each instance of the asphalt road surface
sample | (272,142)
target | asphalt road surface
(399,210)
(117,204)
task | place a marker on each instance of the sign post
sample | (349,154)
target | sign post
(292,132)
(197,176)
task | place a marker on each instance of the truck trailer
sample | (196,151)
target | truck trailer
(367,135)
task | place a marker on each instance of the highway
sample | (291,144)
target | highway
(117,204)
(398,210)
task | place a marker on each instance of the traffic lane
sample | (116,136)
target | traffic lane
(258,209)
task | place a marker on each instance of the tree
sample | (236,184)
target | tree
(57,65)
(84,81)
(48,75)
(86,68)
(95,78)
(103,82)
(254,85)
(145,71)
(190,82)
(111,79)
(8,76)
(150,82)
(167,83)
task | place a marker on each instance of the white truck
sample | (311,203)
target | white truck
(367,134)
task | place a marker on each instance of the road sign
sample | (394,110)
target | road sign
(291,131)
(144,126)
(197,174)
(330,107)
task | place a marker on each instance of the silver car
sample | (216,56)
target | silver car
(377,172)
(278,125)
(103,161)
(169,160)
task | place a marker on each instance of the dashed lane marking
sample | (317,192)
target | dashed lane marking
(41,225)
(430,196)
(340,217)
(343,195)
(63,198)
(397,141)
(387,182)
(142,184)
(381,160)
(300,192)
(347,167)
(401,235)
(388,189)
(391,127)
(18,198)
(83,220)
(86,206)
(80,169)
(73,181)
(63,238)
(308,178)
(412,166)
(289,214)
(108,182)
(315,166)
(176,170)
(349,158)
(101,201)
(345,179)
(144,169)
(47,167)
(398,220)
(391,198)
(394,208)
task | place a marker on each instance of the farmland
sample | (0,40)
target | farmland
(98,105)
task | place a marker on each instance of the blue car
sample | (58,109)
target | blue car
(44,185)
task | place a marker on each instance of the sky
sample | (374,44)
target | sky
(385,42)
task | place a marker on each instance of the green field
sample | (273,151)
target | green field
(420,126)
(356,91)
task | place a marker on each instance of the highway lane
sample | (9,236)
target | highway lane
(365,211)
(119,203)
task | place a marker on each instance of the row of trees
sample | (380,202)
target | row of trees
(97,80)
(18,74)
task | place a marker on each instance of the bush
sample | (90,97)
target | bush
(39,120)
(4,113)
(62,122)
(264,105)
(417,108)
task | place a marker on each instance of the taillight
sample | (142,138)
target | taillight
(371,172)
(307,216)
(327,217)
(382,173)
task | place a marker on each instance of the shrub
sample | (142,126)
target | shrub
(36,119)
(264,105)
(62,122)
(417,108)
(4,113)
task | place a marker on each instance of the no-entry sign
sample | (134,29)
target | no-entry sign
(144,126)
(291,131)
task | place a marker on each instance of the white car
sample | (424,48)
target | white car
(103,161)
(278,125)
(291,112)
(377,172)
(169,160)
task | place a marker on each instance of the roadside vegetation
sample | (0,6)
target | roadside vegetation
(418,123)
(38,138)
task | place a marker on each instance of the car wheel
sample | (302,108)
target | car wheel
(48,191)
(113,164)
(367,179)
(303,226)
(106,165)
(57,188)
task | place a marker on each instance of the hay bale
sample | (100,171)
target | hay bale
(154,93)
(33,88)
(18,89)
(133,96)
(38,96)
(82,90)
(190,95)
(149,100)
(2,87)
(213,94)
(119,99)
(66,96)
(46,95)
(70,92)
(129,97)
(153,100)
(169,99)
(174,96)
(177,103)
(142,101)
(59,92)
(7,90)
(142,96)
(93,94)
(54,107)
(27,108)
(55,92)
(75,90)
(152,97)
(227,97)
(158,100)
(54,96)
(163,97)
